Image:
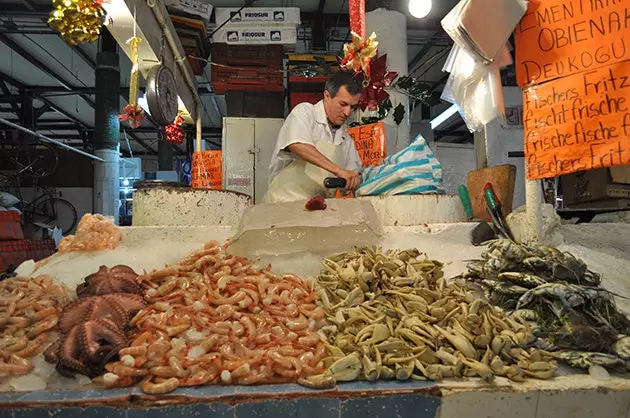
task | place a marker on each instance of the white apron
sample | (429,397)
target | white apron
(302,181)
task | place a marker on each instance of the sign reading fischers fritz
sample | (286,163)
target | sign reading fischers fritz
(573,57)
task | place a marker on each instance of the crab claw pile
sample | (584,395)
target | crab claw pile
(392,314)
(215,319)
(575,318)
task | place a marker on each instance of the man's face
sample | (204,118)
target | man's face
(339,108)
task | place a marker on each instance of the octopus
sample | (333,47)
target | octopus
(93,327)
(118,279)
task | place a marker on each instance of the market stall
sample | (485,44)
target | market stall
(374,306)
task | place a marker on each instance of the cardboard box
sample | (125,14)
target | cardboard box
(592,185)
(256,36)
(620,174)
(289,16)
(199,8)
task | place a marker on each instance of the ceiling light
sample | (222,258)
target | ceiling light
(420,8)
(444,116)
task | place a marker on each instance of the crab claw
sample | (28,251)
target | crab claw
(319,381)
(346,369)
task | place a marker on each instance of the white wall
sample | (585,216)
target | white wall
(457,160)
(500,140)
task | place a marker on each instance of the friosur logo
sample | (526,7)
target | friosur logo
(257,16)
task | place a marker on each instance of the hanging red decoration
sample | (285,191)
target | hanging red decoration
(374,94)
(174,132)
(356,10)
(133,114)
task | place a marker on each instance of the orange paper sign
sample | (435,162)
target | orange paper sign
(207,170)
(558,38)
(370,142)
(578,123)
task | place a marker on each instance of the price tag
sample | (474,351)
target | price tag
(370,142)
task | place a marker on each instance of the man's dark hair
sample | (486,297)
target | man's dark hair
(353,83)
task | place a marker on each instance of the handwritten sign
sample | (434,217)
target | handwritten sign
(207,170)
(578,123)
(370,142)
(558,38)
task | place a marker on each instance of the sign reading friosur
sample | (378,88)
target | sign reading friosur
(578,123)
(559,38)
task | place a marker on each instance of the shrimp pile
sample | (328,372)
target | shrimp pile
(95,232)
(29,312)
(216,319)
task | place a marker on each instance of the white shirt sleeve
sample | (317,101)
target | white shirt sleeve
(298,127)
(353,160)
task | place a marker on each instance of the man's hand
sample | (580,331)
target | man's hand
(352,178)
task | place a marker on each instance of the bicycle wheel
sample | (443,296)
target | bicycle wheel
(55,212)
(37,160)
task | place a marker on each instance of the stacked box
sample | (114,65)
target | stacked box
(307,76)
(10,226)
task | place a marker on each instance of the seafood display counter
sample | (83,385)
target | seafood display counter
(166,322)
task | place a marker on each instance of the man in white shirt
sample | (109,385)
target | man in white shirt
(313,144)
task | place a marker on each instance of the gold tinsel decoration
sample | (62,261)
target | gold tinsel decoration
(77,21)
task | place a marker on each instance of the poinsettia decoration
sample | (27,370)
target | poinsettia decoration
(174,132)
(375,94)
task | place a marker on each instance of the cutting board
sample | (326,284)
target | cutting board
(502,178)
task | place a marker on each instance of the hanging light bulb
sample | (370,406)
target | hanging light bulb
(420,8)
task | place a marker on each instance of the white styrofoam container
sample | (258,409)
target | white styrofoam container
(199,8)
(256,35)
(258,15)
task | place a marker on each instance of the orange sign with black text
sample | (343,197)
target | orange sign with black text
(559,38)
(578,123)
(207,170)
(371,142)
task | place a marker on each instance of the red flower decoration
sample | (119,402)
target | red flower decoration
(133,114)
(374,94)
(174,132)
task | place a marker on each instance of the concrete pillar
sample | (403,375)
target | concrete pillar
(107,129)
(391,33)
(165,156)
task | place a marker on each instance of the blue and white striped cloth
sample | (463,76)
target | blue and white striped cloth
(413,170)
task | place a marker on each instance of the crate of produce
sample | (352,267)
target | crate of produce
(297,98)
(269,56)
(255,104)
(10,226)
(311,68)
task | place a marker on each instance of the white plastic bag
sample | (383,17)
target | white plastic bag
(7,199)
(475,87)
(413,170)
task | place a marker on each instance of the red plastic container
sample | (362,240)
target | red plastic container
(10,227)
(247,75)
(269,56)
(17,251)
(297,98)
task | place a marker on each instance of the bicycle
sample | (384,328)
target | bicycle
(46,209)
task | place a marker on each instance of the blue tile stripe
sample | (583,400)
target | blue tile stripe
(95,399)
